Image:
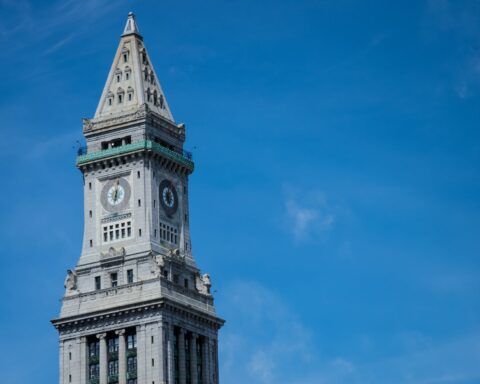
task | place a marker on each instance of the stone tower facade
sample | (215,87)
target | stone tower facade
(136,308)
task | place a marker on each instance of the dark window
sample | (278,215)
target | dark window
(175,279)
(119,98)
(152,339)
(131,341)
(90,213)
(69,355)
(113,345)
(98,282)
(114,279)
(139,202)
(165,274)
(139,233)
(129,97)
(91,243)
(118,78)
(129,276)
(185,283)
(138,174)
(132,364)
(89,185)
(125,57)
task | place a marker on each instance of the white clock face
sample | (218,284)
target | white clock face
(115,195)
(168,197)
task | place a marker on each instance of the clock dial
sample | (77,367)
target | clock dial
(115,195)
(168,197)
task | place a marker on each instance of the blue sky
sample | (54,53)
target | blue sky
(335,200)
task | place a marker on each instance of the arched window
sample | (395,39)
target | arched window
(155,98)
(148,94)
(130,93)
(162,103)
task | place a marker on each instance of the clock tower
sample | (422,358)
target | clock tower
(136,308)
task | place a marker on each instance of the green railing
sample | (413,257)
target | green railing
(93,359)
(138,146)
(131,375)
(131,352)
(112,379)
(94,380)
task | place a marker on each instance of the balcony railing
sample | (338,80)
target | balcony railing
(94,380)
(131,375)
(112,379)
(182,157)
(93,359)
(131,352)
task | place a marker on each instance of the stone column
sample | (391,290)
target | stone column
(170,355)
(215,361)
(141,355)
(181,356)
(83,360)
(161,358)
(103,358)
(206,360)
(61,365)
(211,362)
(122,357)
(193,358)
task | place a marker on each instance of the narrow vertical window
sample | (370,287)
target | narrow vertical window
(139,233)
(138,174)
(91,243)
(90,213)
(90,186)
(152,339)
(69,355)
(153,362)
(155,233)
(139,202)
(98,283)
(130,276)
(114,279)
(154,203)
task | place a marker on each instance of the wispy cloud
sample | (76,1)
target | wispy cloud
(265,342)
(306,213)
(459,20)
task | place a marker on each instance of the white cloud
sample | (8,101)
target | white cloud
(306,214)
(265,342)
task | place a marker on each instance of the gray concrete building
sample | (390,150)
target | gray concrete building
(136,308)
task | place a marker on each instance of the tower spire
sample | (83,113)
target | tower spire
(132,81)
(131,25)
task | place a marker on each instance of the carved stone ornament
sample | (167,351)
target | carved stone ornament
(207,284)
(70,283)
(113,252)
(156,264)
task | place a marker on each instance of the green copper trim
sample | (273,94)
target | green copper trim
(138,146)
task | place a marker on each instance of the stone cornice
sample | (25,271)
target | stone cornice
(118,317)
(142,115)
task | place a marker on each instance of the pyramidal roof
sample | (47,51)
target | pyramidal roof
(132,80)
